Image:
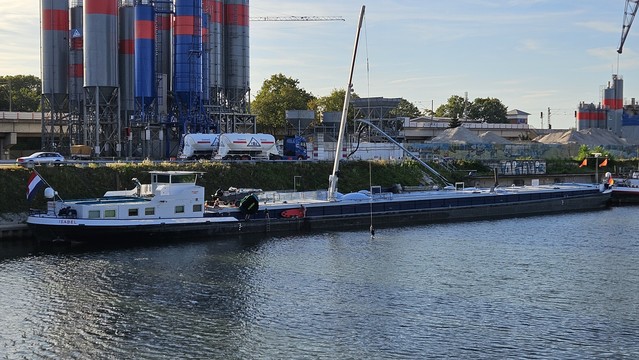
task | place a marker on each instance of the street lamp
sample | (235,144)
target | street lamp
(596,155)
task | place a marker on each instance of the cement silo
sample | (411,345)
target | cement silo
(76,73)
(215,10)
(206,75)
(613,101)
(101,76)
(164,50)
(187,65)
(145,78)
(236,54)
(613,94)
(126,59)
(55,65)
(55,51)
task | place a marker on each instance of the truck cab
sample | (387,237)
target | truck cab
(294,148)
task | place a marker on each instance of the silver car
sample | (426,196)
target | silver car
(42,157)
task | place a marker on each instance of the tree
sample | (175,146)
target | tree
(453,123)
(454,108)
(407,109)
(488,110)
(278,94)
(333,102)
(24,91)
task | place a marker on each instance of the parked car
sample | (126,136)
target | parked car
(42,157)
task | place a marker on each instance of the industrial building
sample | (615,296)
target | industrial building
(613,115)
(129,77)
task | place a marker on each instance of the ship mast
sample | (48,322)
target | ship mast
(332,179)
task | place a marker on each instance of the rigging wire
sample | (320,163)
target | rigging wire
(368,110)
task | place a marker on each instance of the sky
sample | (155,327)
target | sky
(530,54)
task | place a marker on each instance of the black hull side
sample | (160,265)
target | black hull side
(591,202)
(347,218)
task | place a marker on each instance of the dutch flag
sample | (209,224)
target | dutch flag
(34,183)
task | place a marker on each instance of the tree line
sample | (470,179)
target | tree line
(278,94)
(20,93)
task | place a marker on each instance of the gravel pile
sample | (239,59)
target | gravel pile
(590,137)
(492,138)
(459,135)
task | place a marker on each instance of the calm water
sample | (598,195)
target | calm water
(544,287)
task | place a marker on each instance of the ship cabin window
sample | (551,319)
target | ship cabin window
(184,178)
(149,211)
(162,178)
(197,208)
(94,214)
(179,209)
(133,212)
(109,213)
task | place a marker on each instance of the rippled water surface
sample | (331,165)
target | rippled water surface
(543,287)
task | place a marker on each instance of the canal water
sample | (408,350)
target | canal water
(561,287)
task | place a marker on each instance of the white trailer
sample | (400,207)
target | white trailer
(200,146)
(236,146)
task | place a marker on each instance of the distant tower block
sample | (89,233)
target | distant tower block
(300,119)
(55,66)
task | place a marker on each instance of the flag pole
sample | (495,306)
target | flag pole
(55,193)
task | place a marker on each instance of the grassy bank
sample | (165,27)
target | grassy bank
(73,182)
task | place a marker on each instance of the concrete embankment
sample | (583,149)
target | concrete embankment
(12,226)
(14,231)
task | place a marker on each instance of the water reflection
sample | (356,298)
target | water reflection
(500,289)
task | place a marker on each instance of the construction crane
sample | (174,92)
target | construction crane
(628,17)
(299,18)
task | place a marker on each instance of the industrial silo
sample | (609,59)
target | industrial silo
(101,76)
(55,52)
(145,87)
(76,71)
(206,75)
(613,101)
(613,94)
(100,43)
(55,66)
(215,10)
(163,45)
(126,58)
(236,53)
(187,32)
(584,116)
(599,118)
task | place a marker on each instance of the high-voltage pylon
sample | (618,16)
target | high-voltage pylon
(628,17)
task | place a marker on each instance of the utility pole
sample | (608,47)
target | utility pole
(549,126)
(542,119)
